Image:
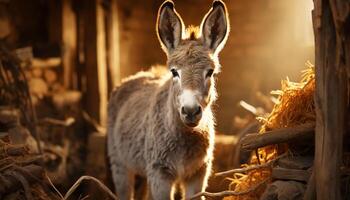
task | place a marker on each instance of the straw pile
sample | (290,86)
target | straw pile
(295,106)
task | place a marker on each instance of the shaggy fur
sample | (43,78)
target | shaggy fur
(146,134)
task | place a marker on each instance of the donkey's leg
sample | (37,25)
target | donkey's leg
(141,188)
(198,182)
(123,181)
(161,188)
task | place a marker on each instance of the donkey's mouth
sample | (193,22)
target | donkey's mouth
(191,122)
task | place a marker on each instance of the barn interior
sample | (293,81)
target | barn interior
(285,72)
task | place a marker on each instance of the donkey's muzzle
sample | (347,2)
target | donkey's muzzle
(192,115)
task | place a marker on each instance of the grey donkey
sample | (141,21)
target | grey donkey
(161,127)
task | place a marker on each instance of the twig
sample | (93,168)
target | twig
(245,169)
(99,183)
(53,186)
(248,107)
(57,122)
(227,192)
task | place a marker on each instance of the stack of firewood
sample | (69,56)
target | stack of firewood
(52,113)
(21,173)
(43,79)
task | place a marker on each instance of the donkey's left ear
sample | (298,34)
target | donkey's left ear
(215,27)
(169,26)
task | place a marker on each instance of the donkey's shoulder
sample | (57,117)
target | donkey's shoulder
(140,80)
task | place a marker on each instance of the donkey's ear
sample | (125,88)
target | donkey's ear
(169,26)
(215,27)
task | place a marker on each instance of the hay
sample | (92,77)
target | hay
(295,106)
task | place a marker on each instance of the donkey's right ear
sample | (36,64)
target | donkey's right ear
(169,27)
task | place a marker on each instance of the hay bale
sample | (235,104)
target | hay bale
(295,106)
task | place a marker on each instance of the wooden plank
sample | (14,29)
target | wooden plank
(113,44)
(290,174)
(95,58)
(310,192)
(55,21)
(330,100)
(296,162)
(102,63)
(251,142)
(46,63)
(69,41)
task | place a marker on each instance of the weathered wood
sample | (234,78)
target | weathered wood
(69,40)
(52,62)
(95,58)
(281,189)
(113,44)
(57,122)
(296,162)
(310,192)
(331,40)
(55,21)
(253,141)
(290,174)
(239,156)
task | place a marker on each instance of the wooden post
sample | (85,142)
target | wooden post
(69,40)
(55,21)
(331,98)
(113,44)
(95,59)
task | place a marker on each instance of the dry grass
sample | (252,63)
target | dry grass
(295,106)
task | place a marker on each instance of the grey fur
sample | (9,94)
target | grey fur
(146,135)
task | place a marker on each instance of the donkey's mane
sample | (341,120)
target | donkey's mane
(192,33)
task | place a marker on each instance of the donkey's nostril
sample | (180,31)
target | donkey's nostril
(191,111)
(197,111)
(183,110)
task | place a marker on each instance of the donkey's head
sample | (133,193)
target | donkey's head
(193,57)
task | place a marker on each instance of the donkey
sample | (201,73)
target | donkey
(161,127)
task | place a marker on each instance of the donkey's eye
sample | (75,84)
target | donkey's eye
(174,72)
(210,73)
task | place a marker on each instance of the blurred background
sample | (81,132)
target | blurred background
(74,52)
(98,43)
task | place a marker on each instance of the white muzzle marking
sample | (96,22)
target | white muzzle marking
(188,98)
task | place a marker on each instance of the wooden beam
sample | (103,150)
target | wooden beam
(69,41)
(251,142)
(55,21)
(331,95)
(95,59)
(113,44)
(310,192)
(290,174)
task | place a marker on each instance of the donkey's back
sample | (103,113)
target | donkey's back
(127,112)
